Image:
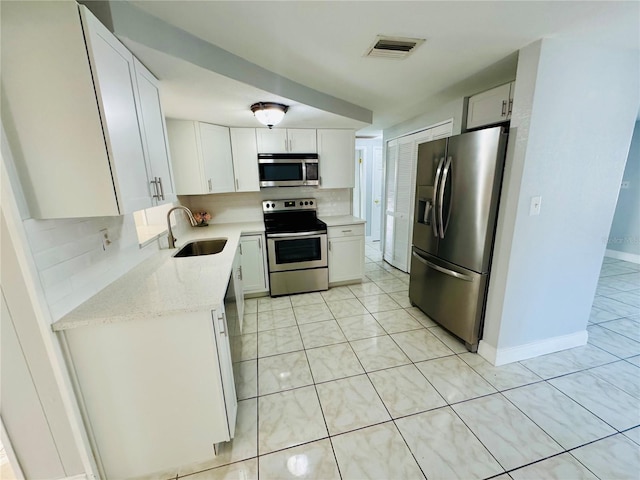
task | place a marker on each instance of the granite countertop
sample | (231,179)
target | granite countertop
(338,220)
(163,285)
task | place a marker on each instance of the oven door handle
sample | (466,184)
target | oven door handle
(295,234)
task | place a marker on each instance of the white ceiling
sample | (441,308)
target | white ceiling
(320,44)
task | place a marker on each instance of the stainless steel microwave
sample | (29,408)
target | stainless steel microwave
(288,169)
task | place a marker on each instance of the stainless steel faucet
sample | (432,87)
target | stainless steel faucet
(172,239)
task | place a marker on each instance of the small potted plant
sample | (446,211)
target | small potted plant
(202,218)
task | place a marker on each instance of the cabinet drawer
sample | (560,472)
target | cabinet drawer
(346,231)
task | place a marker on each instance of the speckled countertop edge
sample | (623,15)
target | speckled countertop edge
(338,220)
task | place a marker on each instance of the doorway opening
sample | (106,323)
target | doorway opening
(367,194)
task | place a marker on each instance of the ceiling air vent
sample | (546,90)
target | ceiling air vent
(393,47)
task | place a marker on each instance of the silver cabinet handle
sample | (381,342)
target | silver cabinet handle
(210,187)
(154,182)
(240,272)
(240,247)
(159,181)
(443,186)
(286,145)
(510,106)
(346,231)
(504,108)
(221,322)
(329,245)
(446,271)
(237,187)
(260,243)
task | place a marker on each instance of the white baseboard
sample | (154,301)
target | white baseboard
(502,356)
(627,257)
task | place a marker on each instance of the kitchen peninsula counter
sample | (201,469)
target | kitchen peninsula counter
(162,285)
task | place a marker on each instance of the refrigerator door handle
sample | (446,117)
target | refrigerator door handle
(443,185)
(427,212)
(436,185)
(446,271)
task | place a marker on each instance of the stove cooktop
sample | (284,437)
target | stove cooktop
(291,216)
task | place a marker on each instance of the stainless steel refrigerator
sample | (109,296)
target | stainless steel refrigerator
(458,186)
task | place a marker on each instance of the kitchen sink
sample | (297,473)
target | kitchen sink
(202,247)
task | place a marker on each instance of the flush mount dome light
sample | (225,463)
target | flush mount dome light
(269,113)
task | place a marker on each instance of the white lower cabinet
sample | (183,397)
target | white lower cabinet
(254,264)
(346,253)
(156,394)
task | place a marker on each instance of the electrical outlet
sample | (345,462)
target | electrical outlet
(106,241)
(625,184)
(534,208)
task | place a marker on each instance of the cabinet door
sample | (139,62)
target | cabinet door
(216,158)
(244,150)
(488,107)
(336,150)
(346,259)
(114,79)
(238,284)
(64,174)
(186,157)
(302,140)
(154,136)
(221,332)
(272,141)
(253,264)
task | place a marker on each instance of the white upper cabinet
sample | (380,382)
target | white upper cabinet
(290,140)
(244,151)
(154,136)
(216,158)
(490,107)
(74,113)
(336,150)
(202,160)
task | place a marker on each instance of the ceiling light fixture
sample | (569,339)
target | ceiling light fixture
(269,113)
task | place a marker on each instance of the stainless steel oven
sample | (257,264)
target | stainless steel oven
(296,247)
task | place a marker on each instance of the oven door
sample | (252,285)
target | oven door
(296,251)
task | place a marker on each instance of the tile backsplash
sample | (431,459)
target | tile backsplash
(247,207)
(71,260)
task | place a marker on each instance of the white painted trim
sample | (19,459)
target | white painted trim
(502,356)
(627,257)
(15,226)
(11,455)
(421,129)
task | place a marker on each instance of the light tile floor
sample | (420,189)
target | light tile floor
(353,383)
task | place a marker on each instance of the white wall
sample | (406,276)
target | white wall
(247,207)
(624,237)
(573,116)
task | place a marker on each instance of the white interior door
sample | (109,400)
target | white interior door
(376,194)
(358,190)
(390,200)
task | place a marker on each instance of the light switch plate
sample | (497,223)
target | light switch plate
(625,184)
(534,208)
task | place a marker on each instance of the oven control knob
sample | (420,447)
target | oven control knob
(300,203)
(273,205)
(310,203)
(306,203)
